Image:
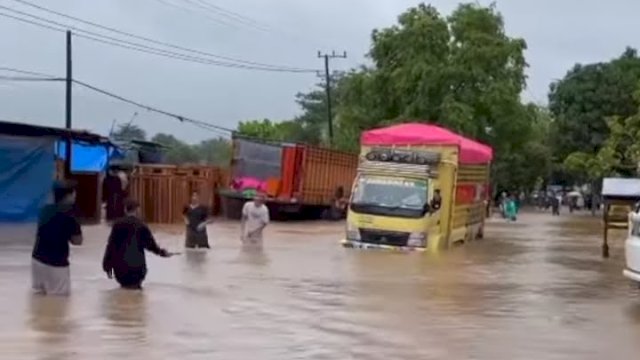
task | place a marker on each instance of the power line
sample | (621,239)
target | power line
(140,47)
(256,24)
(151,108)
(152,50)
(19,71)
(201,124)
(177,56)
(226,14)
(31,22)
(25,78)
(232,14)
(193,11)
(157,42)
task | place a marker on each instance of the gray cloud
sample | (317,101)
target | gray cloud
(559,33)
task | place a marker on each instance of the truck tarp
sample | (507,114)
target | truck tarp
(86,157)
(471,152)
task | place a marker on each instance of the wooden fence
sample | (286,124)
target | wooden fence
(164,190)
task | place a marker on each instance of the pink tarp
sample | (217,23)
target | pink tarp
(471,152)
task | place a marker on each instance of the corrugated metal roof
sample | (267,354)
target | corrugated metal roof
(619,187)
(19,129)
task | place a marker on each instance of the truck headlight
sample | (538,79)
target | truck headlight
(352,232)
(417,239)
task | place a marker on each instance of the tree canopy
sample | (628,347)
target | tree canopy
(596,118)
(210,152)
(461,71)
(128,132)
(589,94)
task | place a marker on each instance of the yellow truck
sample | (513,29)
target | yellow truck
(419,187)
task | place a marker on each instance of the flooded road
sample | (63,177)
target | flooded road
(536,289)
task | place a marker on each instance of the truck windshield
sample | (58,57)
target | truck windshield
(390,196)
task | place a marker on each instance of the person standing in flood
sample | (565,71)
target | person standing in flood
(511,208)
(196,218)
(255,217)
(124,256)
(57,227)
(555,204)
(114,192)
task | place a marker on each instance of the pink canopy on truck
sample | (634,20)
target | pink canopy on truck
(471,152)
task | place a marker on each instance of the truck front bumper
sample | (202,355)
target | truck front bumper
(352,244)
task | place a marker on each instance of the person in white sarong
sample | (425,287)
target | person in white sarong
(255,217)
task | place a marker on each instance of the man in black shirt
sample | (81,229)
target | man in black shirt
(56,229)
(124,256)
(196,218)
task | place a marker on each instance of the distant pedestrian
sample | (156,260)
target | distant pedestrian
(555,205)
(511,208)
(124,255)
(114,193)
(338,209)
(255,217)
(196,217)
(57,227)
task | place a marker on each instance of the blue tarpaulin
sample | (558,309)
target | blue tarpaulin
(26,176)
(93,158)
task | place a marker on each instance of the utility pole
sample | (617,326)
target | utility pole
(69,83)
(327,75)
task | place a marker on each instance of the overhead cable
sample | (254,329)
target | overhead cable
(56,26)
(46,77)
(154,41)
(151,108)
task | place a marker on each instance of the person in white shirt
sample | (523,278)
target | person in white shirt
(255,217)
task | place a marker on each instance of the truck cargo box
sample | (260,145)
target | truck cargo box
(292,175)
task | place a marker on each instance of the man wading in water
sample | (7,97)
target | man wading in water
(124,256)
(255,217)
(56,229)
(196,217)
(114,192)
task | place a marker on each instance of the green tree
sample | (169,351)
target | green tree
(461,71)
(128,132)
(589,94)
(177,152)
(313,122)
(619,154)
(214,151)
(266,129)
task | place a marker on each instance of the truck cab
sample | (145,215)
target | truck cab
(419,187)
(395,201)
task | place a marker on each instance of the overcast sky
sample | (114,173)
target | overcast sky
(559,33)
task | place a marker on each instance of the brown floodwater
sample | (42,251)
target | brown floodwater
(535,289)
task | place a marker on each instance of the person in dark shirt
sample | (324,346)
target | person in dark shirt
(436,201)
(57,227)
(124,255)
(114,192)
(196,218)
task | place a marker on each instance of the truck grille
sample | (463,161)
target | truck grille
(392,238)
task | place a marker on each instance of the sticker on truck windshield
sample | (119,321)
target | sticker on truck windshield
(394,182)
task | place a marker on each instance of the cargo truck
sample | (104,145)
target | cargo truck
(418,187)
(299,180)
